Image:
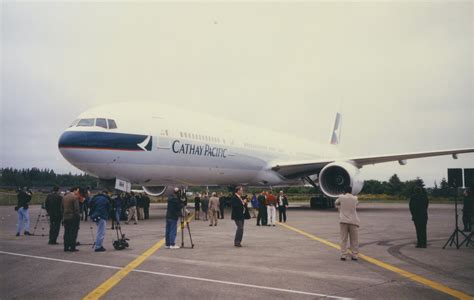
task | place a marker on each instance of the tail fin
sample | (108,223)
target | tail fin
(336,131)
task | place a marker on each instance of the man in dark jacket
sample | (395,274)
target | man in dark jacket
(146,206)
(173,212)
(238,212)
(419,213)
(99,213)
(262,209)
(53,207)
(197,206)
(467,209)
(222,200)
(282,206)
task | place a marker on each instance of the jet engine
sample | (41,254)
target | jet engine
(155,190)
(335,176)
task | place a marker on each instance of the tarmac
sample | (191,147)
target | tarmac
(298,259)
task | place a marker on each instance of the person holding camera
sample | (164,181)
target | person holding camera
(71,218)
(173,212)
(99,213)
(53,207)
(349,222)
(24,198)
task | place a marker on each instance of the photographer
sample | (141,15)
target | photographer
(173,212)
(100,206)
(24,197)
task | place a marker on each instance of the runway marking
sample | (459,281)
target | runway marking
(177,276)
(107,285)
(60,260)
(432,284)
(242,284)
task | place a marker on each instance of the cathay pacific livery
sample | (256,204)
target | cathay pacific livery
(157,146)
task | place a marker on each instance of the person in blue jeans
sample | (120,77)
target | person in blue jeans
(24,198)
(99,213)
(173,212)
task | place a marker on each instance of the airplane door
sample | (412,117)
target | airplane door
(164,143)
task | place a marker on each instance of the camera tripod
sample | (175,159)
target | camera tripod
(41,219)
(93,237)
(454,238)
(468,240)
(185,223)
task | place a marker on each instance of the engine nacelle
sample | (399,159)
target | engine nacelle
(335,176)
(155,190)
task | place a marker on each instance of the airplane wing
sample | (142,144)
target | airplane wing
(298,169)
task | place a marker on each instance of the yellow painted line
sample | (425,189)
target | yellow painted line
(432,284)
(107,285)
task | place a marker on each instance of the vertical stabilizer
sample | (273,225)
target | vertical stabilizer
(336,130)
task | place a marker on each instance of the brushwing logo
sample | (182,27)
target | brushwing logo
(146,144)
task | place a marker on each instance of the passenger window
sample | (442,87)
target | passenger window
(101,123)
(86,122)
(112,124)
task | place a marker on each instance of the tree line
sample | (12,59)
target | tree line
(35,177)
(394,186)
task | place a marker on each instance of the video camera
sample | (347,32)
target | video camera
(121,242)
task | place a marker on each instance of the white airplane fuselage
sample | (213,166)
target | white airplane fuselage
(156,145)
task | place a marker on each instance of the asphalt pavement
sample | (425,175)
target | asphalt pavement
(294,260)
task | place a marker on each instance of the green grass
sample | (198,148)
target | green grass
(9,198)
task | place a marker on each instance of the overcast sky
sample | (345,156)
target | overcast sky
(401,73)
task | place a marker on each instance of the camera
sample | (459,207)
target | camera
(121,244)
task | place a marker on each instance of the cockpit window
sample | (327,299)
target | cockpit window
(112,124)
(101,123)
(86,122)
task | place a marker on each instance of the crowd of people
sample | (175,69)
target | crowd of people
(262,207)
(78,205)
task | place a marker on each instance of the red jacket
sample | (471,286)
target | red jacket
(271,200)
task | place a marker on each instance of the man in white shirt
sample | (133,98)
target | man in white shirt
(349,222)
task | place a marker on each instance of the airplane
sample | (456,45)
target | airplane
(157,146)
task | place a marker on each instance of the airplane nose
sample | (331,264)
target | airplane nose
(69,143)
(72,139)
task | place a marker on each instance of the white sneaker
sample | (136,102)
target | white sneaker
(174,247)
